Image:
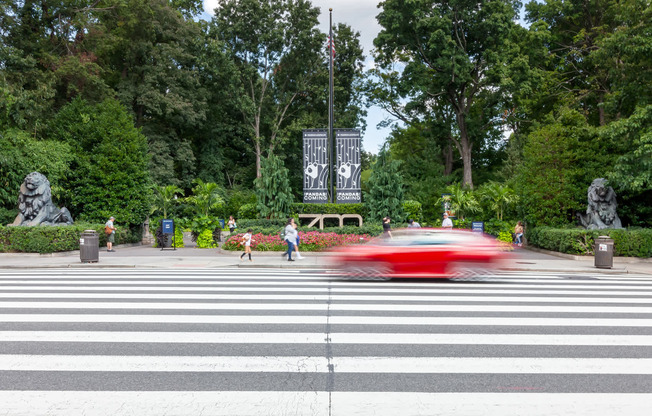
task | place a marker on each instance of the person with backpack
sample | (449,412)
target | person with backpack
(109,230)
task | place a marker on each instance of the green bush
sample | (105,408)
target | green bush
(300,208)
(50,239)
(248,211)
(630,243)
(205,239)
(413,210)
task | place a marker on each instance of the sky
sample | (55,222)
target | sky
(361,16)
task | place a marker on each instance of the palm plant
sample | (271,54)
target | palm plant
(499,197)
(207,196)
(462,200)
(164,198)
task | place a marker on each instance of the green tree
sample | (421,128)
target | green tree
(207,197)
(108,175)
(275,45)
(385,196)
(455,54)
(273,192)
(164,198)
(499,196)
(463,201)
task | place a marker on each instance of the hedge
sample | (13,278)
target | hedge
(299,208)
(50,239)
(627,242)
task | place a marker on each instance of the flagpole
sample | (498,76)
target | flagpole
(330,105)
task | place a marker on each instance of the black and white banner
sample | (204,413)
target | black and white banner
(315,166)
(348,166)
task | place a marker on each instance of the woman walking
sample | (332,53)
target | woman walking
(246,240)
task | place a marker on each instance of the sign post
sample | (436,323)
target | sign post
(315,166)
(348,166)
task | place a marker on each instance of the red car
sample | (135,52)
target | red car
(423,253)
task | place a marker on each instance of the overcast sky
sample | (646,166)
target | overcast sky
(361,16)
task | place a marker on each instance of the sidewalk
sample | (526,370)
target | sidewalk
(148,257)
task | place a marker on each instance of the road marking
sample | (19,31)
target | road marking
(320,338)
(333,320)
(323,307)
(308,364)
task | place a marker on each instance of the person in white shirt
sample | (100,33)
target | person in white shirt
(447,223)
(290,238)
(246,240)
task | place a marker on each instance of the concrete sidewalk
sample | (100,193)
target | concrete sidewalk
(148,257)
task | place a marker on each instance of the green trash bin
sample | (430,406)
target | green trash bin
(604,252)
(89,246)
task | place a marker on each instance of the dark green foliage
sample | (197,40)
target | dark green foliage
(50,239)
(413,210)
(301,208)
(273,191)
(110,163)
(631,242)
(385,196)
(21,154)
(561,159)
(247,211)
(236,199)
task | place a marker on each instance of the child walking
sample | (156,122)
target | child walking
(246,240)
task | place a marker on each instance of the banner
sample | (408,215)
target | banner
(348,166)
(315,166)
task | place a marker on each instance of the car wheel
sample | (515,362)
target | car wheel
(468,272)
(369,271)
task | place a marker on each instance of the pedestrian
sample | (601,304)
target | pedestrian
(296,246)
(246,241)
(447,223)
(290,238)
(109,230)
(231,224)
(413,224)
(387,228)
(518,234)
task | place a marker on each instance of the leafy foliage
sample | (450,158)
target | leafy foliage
(110,162)
(385,196)
(633,242)
(273,189)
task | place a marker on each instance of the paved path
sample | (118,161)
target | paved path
(149,257)
(229,341)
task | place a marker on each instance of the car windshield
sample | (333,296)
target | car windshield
(429,238)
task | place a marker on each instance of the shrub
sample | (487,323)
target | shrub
(300,208)
(205,239)
(633,242)
(248,211)
(310,241)
(413,210)
(50,239)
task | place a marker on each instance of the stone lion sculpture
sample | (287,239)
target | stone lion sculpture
(601,210)
(35,205)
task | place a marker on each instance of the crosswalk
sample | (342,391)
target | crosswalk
(302,342)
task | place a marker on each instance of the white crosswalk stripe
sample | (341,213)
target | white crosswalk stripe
(301,342)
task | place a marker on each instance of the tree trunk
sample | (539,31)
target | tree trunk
(464,148)
(257,148)
(448,157)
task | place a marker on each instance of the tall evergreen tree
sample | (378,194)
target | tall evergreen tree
(385,195)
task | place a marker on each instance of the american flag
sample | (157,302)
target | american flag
(331,46)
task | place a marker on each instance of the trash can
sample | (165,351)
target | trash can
(89,246)
(604,252)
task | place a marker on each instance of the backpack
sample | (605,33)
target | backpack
(108,230)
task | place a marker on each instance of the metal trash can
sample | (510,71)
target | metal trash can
(604,252)
(89,246)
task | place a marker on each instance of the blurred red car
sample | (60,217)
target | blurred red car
(421,253)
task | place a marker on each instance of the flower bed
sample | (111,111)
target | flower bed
(310,241)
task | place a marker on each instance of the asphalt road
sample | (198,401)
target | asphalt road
(300,342)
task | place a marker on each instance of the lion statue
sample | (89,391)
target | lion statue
(601,210)
(35,205)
